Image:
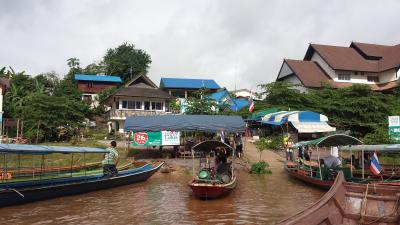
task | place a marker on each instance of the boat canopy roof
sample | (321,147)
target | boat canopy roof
(331,140)
(205,123)
(390,148)
(42,149)
(207,146)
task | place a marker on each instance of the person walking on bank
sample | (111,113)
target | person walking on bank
(110,161)
(239,145)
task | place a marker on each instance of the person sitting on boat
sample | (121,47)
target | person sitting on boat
(110,161)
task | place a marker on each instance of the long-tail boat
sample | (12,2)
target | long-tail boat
(217,179)
(352,203)
(315,172)
(42,187)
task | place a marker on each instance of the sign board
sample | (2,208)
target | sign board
(394,127)
(158,138)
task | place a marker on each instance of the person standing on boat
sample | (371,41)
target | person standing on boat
(110,161)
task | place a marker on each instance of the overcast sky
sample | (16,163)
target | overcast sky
(234,42)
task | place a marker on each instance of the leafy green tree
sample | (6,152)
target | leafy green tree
(201,103)
(126,61)
(49,114)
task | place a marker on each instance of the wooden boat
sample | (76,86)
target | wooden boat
(19,192)
(315,173)
(352,203)
(213,181)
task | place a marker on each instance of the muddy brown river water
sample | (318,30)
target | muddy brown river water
(165,199)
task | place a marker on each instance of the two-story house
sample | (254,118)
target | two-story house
(139,96)
(91,85)
(182,88)
(360,63)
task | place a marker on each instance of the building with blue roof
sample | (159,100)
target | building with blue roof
(91,85)
(224,98)
(184,87)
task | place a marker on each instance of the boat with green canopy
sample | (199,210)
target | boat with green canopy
(322,170)
(43,186)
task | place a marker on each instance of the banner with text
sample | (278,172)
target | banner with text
(394,127)
(158,138)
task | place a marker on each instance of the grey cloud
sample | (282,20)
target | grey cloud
(240,42)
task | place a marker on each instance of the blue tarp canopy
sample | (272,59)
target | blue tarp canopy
(303,121)
(206,123)
(42,149)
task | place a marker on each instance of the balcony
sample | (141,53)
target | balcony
(117,114)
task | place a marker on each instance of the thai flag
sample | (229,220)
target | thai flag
(375,167)
(222,136)
(251,103)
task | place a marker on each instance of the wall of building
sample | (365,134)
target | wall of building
(387,76)
(294,80)
(321,62)
(94,87)
(285,71)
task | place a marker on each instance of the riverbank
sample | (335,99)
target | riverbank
(274,160)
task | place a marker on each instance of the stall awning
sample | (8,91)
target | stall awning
(313,127)
(256,116)
(206,123)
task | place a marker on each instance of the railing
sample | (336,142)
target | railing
(122,114)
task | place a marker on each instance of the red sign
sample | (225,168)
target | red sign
(140,138)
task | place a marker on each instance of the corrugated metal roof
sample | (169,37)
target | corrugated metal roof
(188,83)
(239,104)
(100,78)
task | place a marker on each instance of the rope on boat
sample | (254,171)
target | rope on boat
(15,190)
(395,206)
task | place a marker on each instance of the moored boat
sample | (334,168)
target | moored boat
(317,173)
(352,203)
(24,191)
(213,180)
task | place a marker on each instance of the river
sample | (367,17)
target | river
(165,199)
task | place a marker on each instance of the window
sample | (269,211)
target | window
(344,76)
(146,105)
(124,104)
(138,105)
(373,79)
(156,105)
(131,105)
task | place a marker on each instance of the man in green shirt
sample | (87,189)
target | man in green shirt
(110,161)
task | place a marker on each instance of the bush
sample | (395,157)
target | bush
(260,168)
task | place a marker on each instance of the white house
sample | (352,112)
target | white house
(360,63)
(140,96)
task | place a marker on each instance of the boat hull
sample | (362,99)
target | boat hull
(351,203)
(15,196)
(210,191)
(324,184)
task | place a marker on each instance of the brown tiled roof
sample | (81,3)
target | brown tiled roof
(310,74)
(140,92)
(389,56)
(344,58)
(143,92)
